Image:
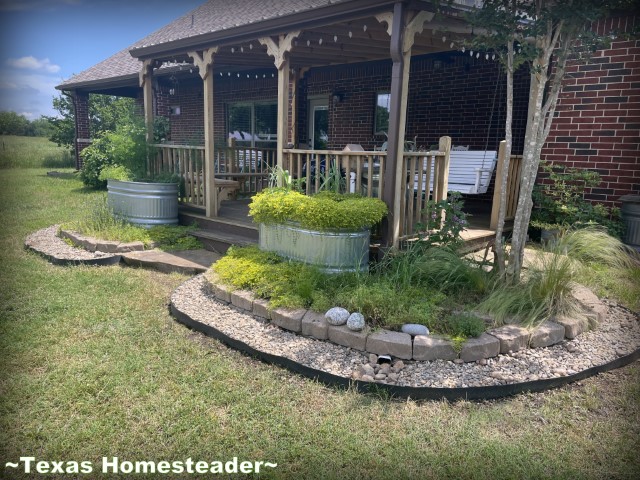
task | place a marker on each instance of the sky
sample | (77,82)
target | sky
(43,42)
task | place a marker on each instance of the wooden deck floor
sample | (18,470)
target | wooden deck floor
(478,231)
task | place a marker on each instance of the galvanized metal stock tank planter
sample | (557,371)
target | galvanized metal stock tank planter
(332,251)
(142,203)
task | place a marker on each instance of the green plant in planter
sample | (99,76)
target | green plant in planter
(324,211)
(560,203)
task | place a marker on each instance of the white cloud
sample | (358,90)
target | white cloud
(30,93)
(32,63)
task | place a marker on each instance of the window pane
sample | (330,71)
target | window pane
(240,124)
(382,113)
(266,128)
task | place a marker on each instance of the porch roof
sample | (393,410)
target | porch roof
(228,23)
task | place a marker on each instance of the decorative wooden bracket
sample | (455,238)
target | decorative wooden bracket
(279,49)
(146,71)
(386,17)
(415,26)
(203,60)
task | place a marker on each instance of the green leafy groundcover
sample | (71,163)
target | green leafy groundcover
(383,301)
(324,211)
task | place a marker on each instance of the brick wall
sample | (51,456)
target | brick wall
(597,125)
(449,94)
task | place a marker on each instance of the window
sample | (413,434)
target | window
(381,117)
(253,124)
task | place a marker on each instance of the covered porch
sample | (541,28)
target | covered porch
(379,90)
(361,172)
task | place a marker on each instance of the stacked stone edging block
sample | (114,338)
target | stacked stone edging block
(93,244)
(500,340)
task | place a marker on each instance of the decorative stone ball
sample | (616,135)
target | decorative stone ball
(414,329)
(337,316)
(355,322)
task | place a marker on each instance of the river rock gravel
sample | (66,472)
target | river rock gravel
(47,242)
(617,336)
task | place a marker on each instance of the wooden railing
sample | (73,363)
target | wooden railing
(362,172)
(425,178)
(185,161)
(513,187)
(248,166)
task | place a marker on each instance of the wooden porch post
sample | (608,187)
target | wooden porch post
(278,50)
(402,38)
(204,62)
(146,77)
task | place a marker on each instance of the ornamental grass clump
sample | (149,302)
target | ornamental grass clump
(546,286)
(324,211)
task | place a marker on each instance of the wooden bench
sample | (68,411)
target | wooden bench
(470,171)
(227,189)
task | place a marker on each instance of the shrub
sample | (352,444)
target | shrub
(325,211)
(445,222)
(115,172)
(560,201)
(125,147)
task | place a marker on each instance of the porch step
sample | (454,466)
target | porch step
(220,242)
(224,226)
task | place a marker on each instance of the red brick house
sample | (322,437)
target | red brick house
(303,76)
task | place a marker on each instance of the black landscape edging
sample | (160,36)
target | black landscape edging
(101,261)
(425,393)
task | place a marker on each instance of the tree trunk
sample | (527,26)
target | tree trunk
(508,135)
(530,163)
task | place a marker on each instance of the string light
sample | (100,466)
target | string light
(242,49)
(486,57)
(233,50)
(493,57)
(471,53)
(308,43)
(191,70)
(228,74)
(350,34)
(320,42)
(364,29)
(335,38)
(451,45)
(463,49)
(444,39)
(251,46)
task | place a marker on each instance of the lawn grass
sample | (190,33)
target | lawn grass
(32,152)
(93,365)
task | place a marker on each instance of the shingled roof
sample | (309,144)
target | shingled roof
(219,22)
(222,15)
(118,68)
(213,16)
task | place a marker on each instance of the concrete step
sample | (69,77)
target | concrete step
(220,242)
(189,262)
